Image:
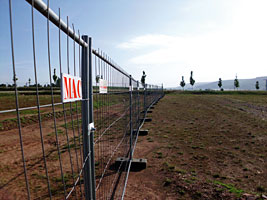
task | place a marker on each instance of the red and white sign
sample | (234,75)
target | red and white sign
(71,88)
(103,86)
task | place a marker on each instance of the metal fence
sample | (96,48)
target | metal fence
(68,150)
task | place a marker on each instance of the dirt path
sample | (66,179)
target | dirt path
(203,147)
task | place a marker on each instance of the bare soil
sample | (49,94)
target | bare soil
(203,147)
(12,181)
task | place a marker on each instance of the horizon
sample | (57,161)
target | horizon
(200,84)
(212,39)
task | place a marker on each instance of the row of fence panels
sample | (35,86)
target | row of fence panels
(51,149)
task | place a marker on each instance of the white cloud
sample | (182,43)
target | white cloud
(145,41)
(239,47)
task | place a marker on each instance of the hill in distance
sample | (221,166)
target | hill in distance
(244,84)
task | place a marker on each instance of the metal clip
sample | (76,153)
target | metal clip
(91,128)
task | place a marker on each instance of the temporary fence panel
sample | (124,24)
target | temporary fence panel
(69,139)
(49,131)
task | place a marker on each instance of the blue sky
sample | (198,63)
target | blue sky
(167,39)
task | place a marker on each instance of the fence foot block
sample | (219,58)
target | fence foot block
(143,132)
(152,107)
(149,111)
(138,164)
(146,119)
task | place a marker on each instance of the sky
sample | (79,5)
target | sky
(167,39)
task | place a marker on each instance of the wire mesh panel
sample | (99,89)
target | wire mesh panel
(136,112)
(112,123)
(119,105)
(51,148)
(36,122)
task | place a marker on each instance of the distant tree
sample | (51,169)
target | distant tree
(192,81)
(29,82)
(236,83)
(2,85)
(15,78)
(143,79)
(34,85)
(58,82)
(220,83)
(55,76)
(257,85)
(182,83)
(97,78)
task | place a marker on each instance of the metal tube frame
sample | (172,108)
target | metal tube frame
(44,10)
(91,120)
(87,156)
(153,94)
(131,123)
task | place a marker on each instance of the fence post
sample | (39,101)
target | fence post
(91,118)
(131,123)
(162,91)
(144,99)
(138,107)
(85,121)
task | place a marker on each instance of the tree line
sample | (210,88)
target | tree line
(56,83)
(236,83)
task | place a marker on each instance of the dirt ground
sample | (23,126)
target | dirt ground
(203,147)
(198,147)
(69,133)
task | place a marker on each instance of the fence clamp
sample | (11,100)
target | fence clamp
(91,128)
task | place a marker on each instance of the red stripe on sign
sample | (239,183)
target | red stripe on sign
(78,88)
(74,89)
(66,88)
(70,97)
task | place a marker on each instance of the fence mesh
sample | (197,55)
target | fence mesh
(42,144)
(111,111)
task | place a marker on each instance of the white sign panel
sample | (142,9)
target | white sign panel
(103,86)
(71,88)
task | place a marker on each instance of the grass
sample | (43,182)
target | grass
(213,92)
(200,133)
(67,177)
(181,191)
(69,124)
(59,132)
(230,188)
(8,100)
(216,176)
(212,136)
(170,167)
(39,176)
(32,111)
(260,189)
(167,182)
(180,171)
(159,154)
(71,145)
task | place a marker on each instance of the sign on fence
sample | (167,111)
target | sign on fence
(103,86)
(71,88)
